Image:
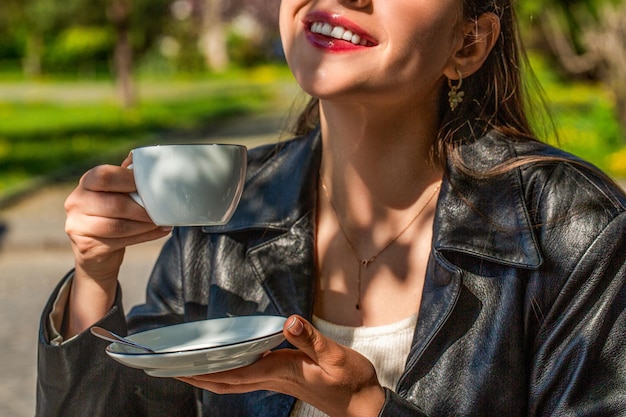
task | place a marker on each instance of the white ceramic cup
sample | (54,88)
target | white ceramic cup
(189,185)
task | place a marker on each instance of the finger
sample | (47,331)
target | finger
(224,388)
(111,205)
(128,160)
(301,334)
(109,178)
(269,367)
(124,242)
(116,206)
(104,230)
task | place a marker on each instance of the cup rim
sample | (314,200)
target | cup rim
(170,145)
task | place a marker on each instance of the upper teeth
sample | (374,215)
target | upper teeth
(337,32)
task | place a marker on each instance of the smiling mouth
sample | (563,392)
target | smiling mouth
(339,32)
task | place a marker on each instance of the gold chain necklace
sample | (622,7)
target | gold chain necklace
(365,262)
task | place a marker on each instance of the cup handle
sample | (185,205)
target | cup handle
(134,195)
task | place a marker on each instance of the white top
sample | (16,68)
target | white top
(387,347)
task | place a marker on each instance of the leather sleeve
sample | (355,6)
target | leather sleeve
(579,356)
(77,378)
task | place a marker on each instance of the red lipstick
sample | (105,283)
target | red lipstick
(335,33)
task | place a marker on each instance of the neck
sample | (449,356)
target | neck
(378,154)
(377,166)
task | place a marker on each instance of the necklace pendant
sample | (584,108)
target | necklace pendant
(366,262)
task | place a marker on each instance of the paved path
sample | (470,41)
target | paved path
(35,255)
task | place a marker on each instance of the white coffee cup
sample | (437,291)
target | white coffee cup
(189,185)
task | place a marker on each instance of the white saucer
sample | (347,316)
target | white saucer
(201,347)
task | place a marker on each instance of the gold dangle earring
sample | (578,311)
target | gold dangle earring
(455,97)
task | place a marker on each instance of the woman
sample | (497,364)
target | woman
(476,270)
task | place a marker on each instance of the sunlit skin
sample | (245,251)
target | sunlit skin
(378,119)
(412,45)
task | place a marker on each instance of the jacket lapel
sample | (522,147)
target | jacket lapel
(440,296)
(277,214)
(486,218)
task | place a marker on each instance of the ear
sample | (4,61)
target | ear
(479,38)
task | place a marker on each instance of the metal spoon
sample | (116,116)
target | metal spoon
(112,337)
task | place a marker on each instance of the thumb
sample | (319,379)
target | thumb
(301,334)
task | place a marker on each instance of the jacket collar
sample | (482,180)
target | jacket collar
(486,218)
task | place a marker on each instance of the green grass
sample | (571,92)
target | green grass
(54,128)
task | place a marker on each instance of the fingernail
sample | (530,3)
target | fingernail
(167,229)
(295,327)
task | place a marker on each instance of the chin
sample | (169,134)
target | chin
(325,87)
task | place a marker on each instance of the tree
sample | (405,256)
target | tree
(119,12)
(216,15)
(265,11)
(137,24)
(588,38)
(255,22)
(213,36)
(34,21)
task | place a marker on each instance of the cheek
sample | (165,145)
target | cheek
(283,25)
(424,27)
(427,49)
(289,22)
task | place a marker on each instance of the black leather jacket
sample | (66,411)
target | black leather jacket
(523,311)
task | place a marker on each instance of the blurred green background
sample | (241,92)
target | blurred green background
(82,81)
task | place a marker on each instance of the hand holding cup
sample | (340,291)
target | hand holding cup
(179,185)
